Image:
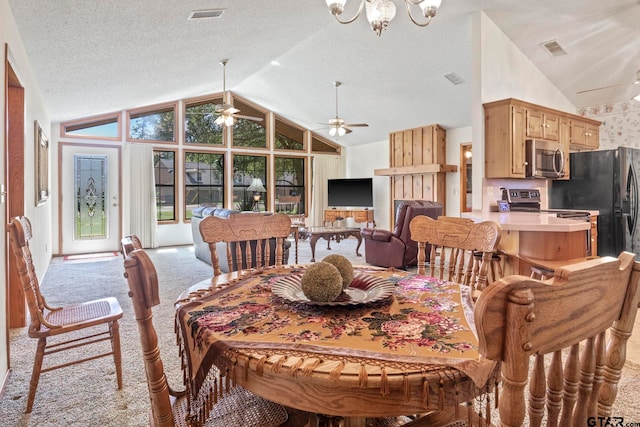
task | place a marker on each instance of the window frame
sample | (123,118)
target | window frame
(265,181)
(266,120)
(154,109)
(185,184)
(92,121)
(191,102)
(305,175)
(176,167)
(276,119)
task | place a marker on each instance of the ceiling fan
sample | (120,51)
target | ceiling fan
(337,125)
(637,81)
(226,112)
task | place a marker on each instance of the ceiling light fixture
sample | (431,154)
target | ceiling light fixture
(381,12)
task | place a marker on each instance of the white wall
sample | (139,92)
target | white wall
(34,110)
(504,72)
(361,160)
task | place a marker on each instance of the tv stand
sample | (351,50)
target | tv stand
(364,215)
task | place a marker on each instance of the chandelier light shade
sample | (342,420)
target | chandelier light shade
(380,12)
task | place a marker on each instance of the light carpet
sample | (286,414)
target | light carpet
(86,395)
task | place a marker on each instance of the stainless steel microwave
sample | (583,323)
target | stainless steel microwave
(545,159)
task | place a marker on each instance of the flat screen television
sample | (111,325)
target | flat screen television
(357,192)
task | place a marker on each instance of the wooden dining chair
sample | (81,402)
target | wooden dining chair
(47,321)
(454,244)
(248,238)
(562,324)
(129,244)
(237,407)
(290,205)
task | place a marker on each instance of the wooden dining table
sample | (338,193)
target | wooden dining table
(411,350)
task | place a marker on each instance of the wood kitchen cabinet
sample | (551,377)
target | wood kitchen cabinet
(504,140)
(585,135)
(542,125)
(508,123)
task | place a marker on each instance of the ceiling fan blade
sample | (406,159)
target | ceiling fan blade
(219,108)
(356,125)
(347,130)
(603,87)
(240,116)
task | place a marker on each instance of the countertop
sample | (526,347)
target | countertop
(531,221)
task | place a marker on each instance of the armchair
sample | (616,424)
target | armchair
(396,248)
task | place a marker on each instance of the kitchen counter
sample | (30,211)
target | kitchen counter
(538,238)
(531,221)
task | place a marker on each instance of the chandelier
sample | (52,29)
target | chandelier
(381,12)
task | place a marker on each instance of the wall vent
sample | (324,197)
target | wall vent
(205,14)
(553,48)
(454,78)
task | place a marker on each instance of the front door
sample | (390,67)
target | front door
(90,199)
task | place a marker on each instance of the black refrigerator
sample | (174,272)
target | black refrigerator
(606,181)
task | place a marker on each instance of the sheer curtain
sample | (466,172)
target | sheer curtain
(324,167)
(142,215)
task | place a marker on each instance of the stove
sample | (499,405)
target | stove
(528,200)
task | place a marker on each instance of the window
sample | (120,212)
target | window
(288,136)
(199,123)
(248,132)
(153,125)
(321,145)
(100,127)
(290,179)
(245,169)
(203,181)
(165,177)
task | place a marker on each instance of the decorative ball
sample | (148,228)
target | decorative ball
(344,266)
(321,282)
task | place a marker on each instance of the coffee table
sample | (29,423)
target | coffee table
(329,233)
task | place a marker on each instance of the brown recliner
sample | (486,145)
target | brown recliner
(395,248)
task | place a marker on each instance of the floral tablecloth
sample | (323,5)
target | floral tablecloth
(422,323)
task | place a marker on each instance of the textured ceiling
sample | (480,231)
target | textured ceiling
(93,57)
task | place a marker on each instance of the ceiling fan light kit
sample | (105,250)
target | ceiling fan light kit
(337,125)
(380,12)
(227,113)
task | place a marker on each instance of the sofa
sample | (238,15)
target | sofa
(395,248)
(201,248)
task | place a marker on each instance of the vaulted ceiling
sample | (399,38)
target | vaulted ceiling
(93,57)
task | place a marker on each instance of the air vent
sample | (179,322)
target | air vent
(553,48)
(454,78)
(205,14)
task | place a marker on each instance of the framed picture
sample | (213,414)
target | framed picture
(42,164)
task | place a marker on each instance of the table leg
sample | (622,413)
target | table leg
(295,238)
(359,237)
(312,242)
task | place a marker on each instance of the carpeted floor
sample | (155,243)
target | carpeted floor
(86,395)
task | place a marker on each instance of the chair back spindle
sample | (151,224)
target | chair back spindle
(562,324)
(247,237)
(453,242)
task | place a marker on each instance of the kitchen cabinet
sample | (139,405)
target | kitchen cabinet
(508,123)
(542,125)
(504,140)
(585,135)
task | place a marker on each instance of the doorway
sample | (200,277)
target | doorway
(466,187)
(90,219)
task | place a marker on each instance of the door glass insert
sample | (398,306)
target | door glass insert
(90,190)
